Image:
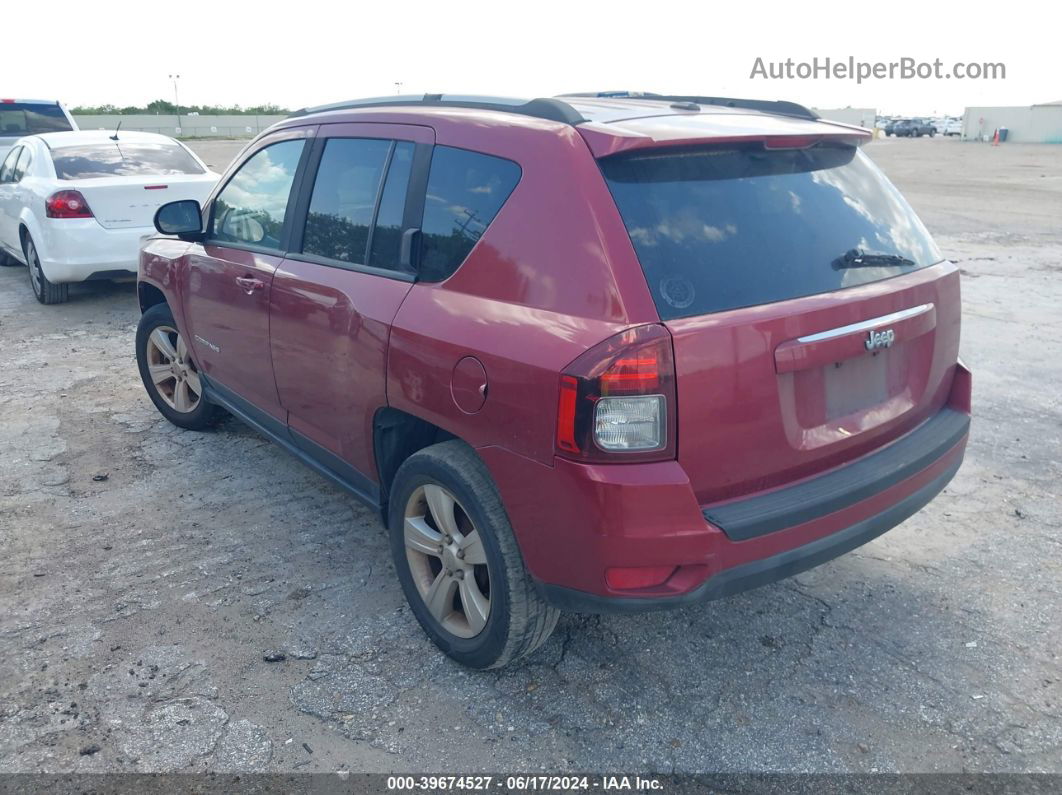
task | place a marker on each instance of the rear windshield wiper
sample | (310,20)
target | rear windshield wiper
(855,258)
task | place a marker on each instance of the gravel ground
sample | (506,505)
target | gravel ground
(147,571)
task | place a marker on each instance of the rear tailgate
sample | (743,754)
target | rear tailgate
(813,318)
(788,390)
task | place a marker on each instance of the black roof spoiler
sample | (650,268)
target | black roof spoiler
(777,107)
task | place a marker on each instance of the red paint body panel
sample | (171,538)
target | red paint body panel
(329,348)
(522,351)
(222,313)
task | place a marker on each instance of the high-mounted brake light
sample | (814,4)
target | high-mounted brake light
(618,399)
(67,204)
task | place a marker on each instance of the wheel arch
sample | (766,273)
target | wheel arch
(149,295)
(396,436)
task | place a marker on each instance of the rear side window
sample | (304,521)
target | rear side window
(344,198)
(251,207)
(387,236)
(465,192)
(23,164)
(718,229)
(7,170)
(28,118)
(119,159)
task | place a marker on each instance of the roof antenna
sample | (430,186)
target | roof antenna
(116,129)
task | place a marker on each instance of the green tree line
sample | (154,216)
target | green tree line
(164,107)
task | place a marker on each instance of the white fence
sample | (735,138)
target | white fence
(242,126)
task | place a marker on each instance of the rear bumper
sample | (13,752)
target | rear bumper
(74,249)
(766,570)
(600,517)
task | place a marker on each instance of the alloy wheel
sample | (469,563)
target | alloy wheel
(447,560)
(172,371)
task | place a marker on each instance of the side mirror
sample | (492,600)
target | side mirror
(182,218)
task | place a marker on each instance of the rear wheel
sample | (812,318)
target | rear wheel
(458,561)
(44,290)
(168,372)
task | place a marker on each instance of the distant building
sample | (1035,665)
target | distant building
(861,117)
(1031,124)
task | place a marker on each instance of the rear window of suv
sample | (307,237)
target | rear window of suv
(719,229)
(120,159)
(30,118)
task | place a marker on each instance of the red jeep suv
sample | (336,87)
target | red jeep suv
(590,353)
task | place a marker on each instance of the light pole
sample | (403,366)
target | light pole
(176,101)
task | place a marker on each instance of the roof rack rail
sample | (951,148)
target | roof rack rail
(542,108)
(778,107)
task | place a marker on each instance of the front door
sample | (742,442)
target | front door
(336,294)
(227,280)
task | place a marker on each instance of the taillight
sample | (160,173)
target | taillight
(67,204)
(617,400)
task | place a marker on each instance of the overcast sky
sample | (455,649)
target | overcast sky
(309,52)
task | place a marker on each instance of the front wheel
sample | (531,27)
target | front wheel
(458,561)
(170,376)
(43,290)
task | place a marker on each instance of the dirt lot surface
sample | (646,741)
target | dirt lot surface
(147,570)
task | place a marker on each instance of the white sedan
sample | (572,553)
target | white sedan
(75,205)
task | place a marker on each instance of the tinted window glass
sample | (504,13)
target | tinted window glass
(465,191)
(7,170)
(720,229)
(344,197)
(251,207)
(387,238)
(22,118)
(120,159)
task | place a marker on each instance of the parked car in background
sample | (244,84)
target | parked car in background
(76,205)
(911,128)
(951,126)
(588,353)
(20,117)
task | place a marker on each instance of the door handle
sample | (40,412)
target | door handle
(249,284)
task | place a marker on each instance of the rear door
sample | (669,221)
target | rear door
(813,317)
(335,295)
(226,280)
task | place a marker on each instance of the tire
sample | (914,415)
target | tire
(43,290)
(517,620)
(170,376)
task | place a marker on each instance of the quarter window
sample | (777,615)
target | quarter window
(465,191)
(250,209)
(7,170)
(23,165)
